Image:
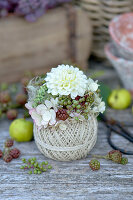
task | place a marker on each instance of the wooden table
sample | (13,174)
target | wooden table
(69,180)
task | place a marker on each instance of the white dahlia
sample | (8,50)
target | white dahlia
(66,80)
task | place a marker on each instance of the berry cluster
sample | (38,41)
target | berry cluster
(80,105)
(10,101)
(8,154)
(34,166)
(114,155)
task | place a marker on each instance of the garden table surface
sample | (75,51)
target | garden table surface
(69,180)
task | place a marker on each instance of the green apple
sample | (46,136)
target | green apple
(21,130)
(119,99)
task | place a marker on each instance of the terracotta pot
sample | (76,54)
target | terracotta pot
(123,67)
(121,31)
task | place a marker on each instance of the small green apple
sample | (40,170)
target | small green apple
(21,130)
(119,99)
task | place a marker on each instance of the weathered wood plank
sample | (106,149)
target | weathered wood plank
(69,180)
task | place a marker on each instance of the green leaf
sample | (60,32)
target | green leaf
(105,91)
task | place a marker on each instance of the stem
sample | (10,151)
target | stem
(99,156)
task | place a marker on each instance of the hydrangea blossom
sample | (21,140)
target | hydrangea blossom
(66,80)
(43,114)
(100,108)
(92,85)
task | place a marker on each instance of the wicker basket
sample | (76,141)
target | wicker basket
(100,13)
(72,144)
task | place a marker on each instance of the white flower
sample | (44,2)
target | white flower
(41,109)
(29,105)
(43,115)
(100,107)
(66,80)
(36,117)
(92,85)
(48,115)
(52,103)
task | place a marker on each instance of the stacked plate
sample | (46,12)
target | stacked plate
(120,50)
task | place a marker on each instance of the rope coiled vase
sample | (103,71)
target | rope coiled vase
(71,144)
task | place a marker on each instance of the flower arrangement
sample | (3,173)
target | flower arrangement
(63,94)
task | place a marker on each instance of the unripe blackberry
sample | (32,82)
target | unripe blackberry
(12,114)
(7,158)
(115,156)
(15,153)
(5,97)
(62,114)
(69,102)
(9,143)
(78,106)
(124,161)
(21,99)
(94,165)
(90,99)
(73,105)
(1,153)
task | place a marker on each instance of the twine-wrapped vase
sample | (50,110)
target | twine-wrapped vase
(71,144)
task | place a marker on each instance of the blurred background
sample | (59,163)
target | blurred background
(95,35)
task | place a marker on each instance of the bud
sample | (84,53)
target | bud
(5,97)
(21,99)
(12,114)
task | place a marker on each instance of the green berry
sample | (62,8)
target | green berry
(35,171)
(80,100)
(73,105)
(22,167)
(68,107)
(69,102)
(86,117)
(32,162)
(94,164)
(75,102)
(36,164)
(41,167)
(86,111)
(86,103)
(46,163)
(62,103)
(29,160)
(30,172)
(44,169)
(60,98)
(23,160)
(78,111)
(39,172)
(34,158)
(49,167)
(78,106)
(65,103)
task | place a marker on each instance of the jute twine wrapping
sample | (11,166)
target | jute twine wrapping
(72,144)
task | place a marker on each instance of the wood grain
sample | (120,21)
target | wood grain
(69,180)
(41,45)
